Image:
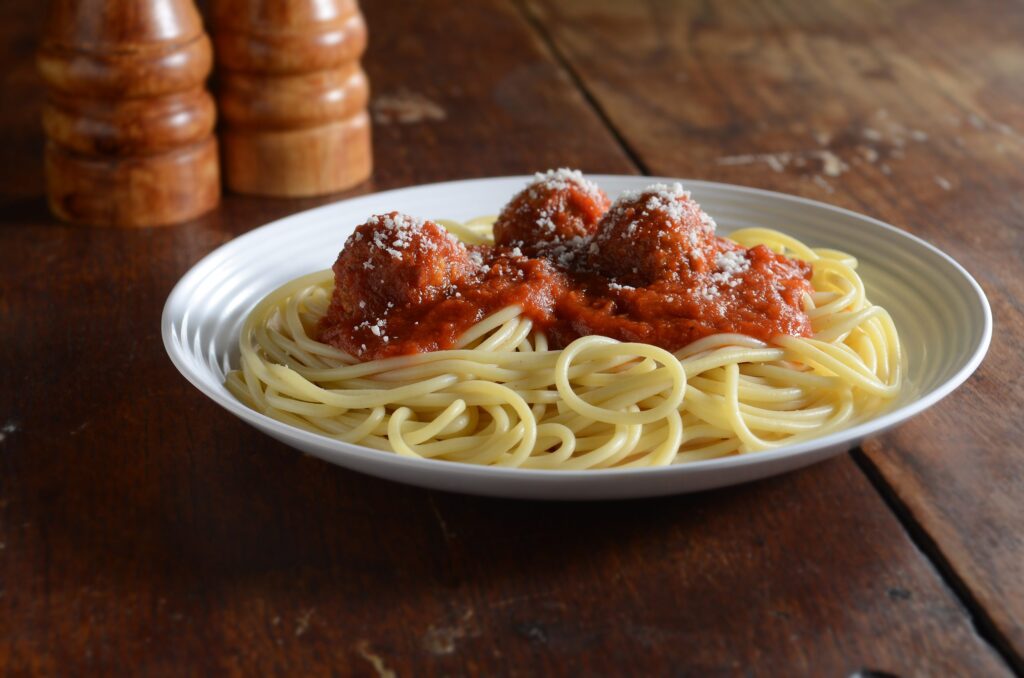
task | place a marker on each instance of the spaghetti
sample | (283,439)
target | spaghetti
(502,396)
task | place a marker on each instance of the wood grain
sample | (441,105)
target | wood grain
(128,121)
(145,530)
(292,95)
(912,112)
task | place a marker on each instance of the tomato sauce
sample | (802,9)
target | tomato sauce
(649,270)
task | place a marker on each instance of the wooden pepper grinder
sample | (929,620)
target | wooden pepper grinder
(129,124)
(292,95)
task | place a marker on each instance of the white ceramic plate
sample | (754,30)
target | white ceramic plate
(941,313)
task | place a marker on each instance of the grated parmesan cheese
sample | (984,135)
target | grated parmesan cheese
(561,179)
(394,233)
(671,201)
(730,264)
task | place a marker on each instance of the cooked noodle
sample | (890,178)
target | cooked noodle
(501,397)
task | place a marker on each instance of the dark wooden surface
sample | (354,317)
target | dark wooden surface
(922,103)
(142,529)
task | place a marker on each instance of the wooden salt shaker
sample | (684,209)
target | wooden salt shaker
(129,124)
(292,95)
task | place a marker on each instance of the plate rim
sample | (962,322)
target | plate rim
(845,438)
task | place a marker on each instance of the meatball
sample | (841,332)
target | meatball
(555,208)
(395,260)
(656,234)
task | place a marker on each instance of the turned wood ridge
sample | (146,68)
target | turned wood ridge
(128,123)
(292,95)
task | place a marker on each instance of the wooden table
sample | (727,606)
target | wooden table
(144,530)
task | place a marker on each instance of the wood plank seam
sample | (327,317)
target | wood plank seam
(533,21)
(985,627)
